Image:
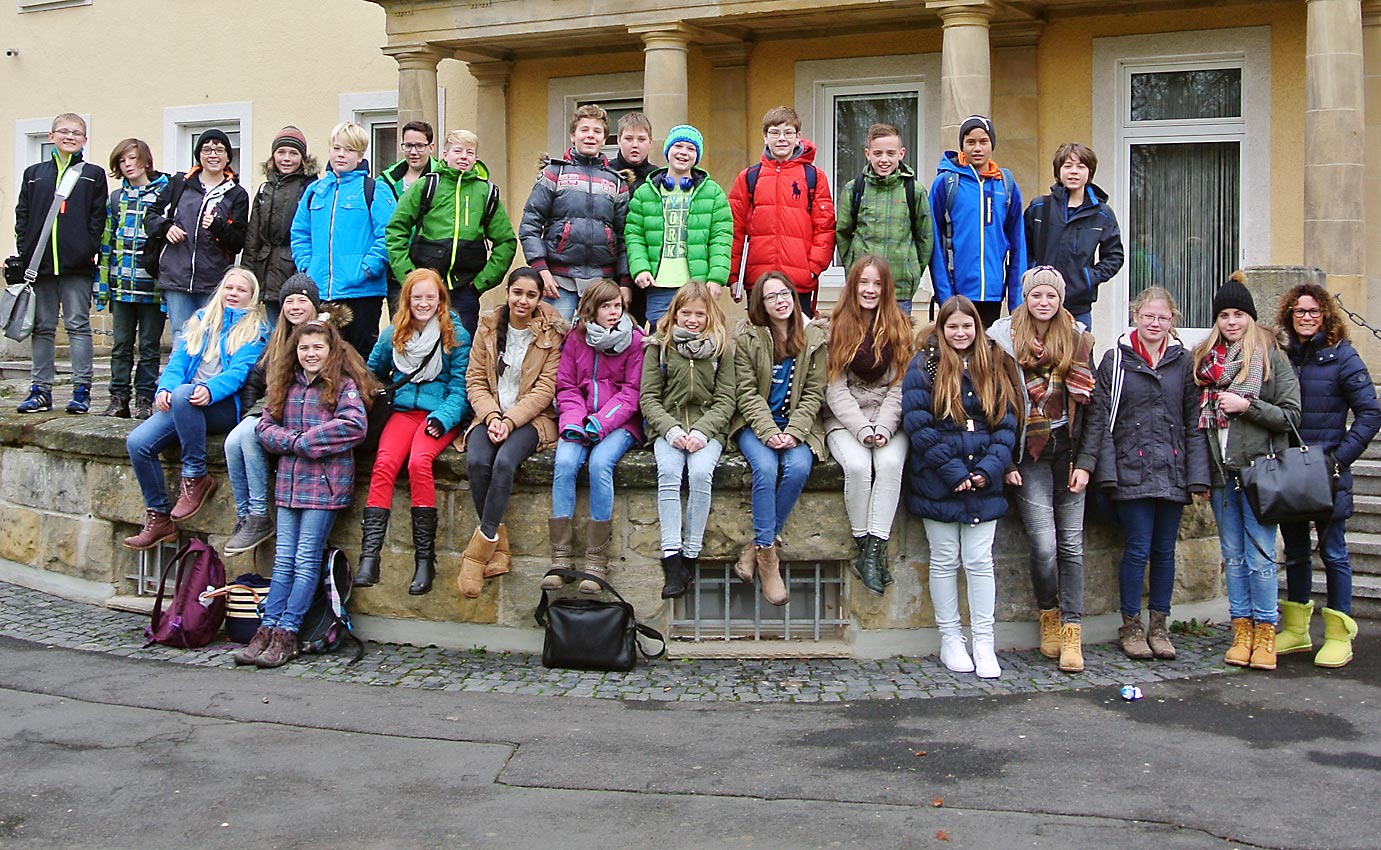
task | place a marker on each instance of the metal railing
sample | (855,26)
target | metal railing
(719,607)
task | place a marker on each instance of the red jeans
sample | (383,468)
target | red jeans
(405,438)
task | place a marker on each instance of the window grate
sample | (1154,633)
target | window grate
(149,567)
(719,607)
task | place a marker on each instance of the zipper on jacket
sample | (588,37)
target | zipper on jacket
(983,202)
(455,225)
(331,243)
(692,396)
(594,382)
(62,169)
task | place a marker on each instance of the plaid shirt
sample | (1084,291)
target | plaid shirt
(317,467)
(119,276)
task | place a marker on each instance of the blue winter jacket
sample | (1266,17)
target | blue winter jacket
(182,366)
(1332,381)
(980,241)
(444,396)
(943,454)
(338,240)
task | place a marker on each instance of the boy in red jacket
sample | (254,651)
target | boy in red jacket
(782,207)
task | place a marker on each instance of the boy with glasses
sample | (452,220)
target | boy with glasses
(419,158)
(782,208)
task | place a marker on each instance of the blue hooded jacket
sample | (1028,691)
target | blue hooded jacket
(443,397)
(338,240)
(980,240)
(182,365)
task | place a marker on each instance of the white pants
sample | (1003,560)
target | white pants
(872,481)
(952,544)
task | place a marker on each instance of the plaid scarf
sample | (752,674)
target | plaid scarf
(1053,396)
(1222,372)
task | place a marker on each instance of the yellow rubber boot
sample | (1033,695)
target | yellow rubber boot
(1294,627)
(1338,631)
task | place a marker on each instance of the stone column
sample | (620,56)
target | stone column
(727,139)
(665,78)
(1334,232)
(965,65)
(417,93)
(491,120)
(1371,49)
(1016,109)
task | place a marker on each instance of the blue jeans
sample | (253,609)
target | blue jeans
(185,423)
(905,305)
(1250,574)
(1150,528)
(1086,318)
(602,457)
(465,300)
(779,476)
(181,307)
(1299,570)
(658,302)
(297,566)
(248,464)
(565,302)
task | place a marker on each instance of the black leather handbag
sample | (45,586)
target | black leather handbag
(592,634)
(1295,484)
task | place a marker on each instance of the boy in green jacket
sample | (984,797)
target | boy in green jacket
(679,226)
(883,212)
(453,222)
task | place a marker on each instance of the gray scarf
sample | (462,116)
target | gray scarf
(692,346)
(416,350)
(613,340)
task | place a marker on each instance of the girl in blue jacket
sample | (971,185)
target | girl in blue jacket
(199,392)
(425,353)
(959,412)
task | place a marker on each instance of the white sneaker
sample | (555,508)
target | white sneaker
(953,654)
(985,660)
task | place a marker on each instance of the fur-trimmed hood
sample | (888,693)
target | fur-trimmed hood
(311,168)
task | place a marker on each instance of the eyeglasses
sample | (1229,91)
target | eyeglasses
(1307,312)
(774,133)
(1155,320)
(414,146)
(209,148)
(779,295)
(70,134)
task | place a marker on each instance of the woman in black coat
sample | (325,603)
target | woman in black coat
(1333,382)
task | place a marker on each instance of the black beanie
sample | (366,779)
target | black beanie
(213,135)
(973,122)
(301,284)
(1234,295)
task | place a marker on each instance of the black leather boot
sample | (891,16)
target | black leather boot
(374,527)
(675,577)
(424,542)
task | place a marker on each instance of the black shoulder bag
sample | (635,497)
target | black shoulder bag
(1294,484)
(592,634)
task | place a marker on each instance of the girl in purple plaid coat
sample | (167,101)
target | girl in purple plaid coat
(315,416)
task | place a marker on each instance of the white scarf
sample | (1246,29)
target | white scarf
(416,350)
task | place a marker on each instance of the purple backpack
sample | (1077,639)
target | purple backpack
(194,616)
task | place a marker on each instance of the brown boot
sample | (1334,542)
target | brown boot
(747,564)
(1132,638)
(1071,648)
(597,535)
(1158,637)
(562,543)
(255,647)
(1050,632)
(478,552)
(282,648)
(770,574)
(1240,653)
(192,496)
(1264,647)
(503,559)
(158,528)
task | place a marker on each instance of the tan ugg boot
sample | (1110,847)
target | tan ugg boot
(502,561)
(1240,653)
(1264,647)
(477,553)
(1050,632)
(770,574)
(1071,648)
(746,565)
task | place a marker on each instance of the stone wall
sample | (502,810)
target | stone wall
(68,495)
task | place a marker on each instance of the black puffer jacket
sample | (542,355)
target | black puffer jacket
(573,221)
(79,225)
(268,245)
(1333,380)
(1155,449)
(197,263)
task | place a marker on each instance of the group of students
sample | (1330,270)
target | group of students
(975,405)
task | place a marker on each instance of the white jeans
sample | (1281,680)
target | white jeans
(952,544)
(872,481)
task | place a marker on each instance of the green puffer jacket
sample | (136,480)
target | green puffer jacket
(694,395)
(883,227)
(392,177)
(455,215)
(709,232)
(753,375)
(1267,420)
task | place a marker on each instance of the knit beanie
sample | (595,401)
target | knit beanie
(290,137)
(300,284)
(1234,295)
(974,122)
(212,135)
(1043,276)
(685,133)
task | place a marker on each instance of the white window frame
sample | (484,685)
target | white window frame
(179,122)
(31,134)
(381,107)
(1114,61)
(48,5)
(565,94)
(819,81)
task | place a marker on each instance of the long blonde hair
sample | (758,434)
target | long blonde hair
(205,326)
(1256,339)
(889,327)
(690,293)
(1060,342)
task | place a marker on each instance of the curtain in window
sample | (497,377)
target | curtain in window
(855,113)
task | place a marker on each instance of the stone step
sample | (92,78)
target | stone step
(1365,549)
(1366,478)
(1373,450)
(1366,515)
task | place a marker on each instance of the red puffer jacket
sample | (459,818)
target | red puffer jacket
(784,232)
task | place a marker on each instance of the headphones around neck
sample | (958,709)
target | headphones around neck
(669,182)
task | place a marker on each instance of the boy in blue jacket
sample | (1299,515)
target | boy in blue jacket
(338,236)
(980,242)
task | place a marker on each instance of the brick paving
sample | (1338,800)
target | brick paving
(37,617)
